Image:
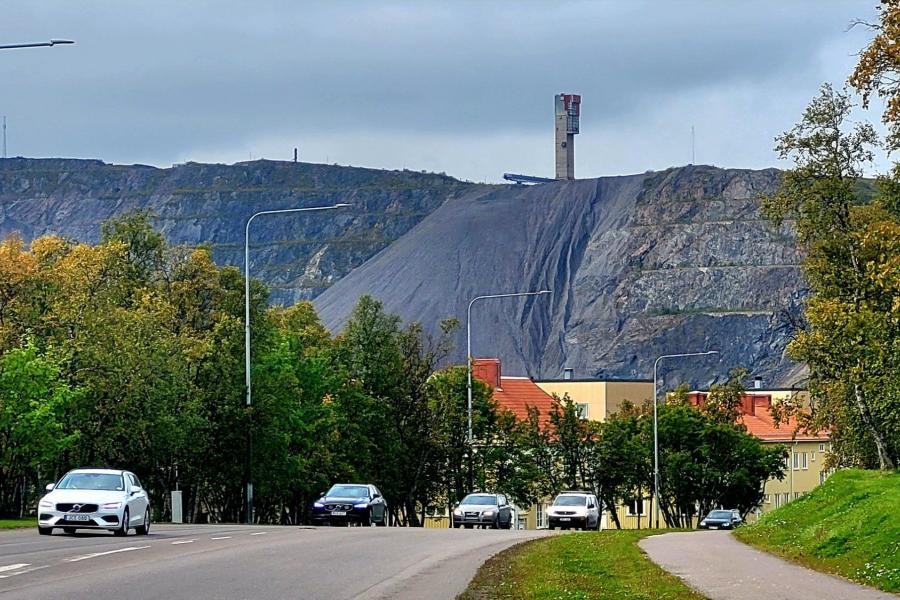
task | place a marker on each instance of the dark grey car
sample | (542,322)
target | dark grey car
(721,519)
(484,510)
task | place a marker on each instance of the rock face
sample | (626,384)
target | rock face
(297,255)
(639,266)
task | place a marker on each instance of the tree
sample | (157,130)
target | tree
(849,248)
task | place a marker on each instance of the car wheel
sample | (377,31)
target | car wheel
(552,527)
(45,530)
(496,524)
(383,521)
(69,530)
(367,520)
(144,527)
(123,528)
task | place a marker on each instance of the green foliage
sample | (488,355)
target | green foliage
(852,264)
(847,526)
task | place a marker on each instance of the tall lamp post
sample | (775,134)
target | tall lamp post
(469,345)
(247,332)
(36,44)
(655,432)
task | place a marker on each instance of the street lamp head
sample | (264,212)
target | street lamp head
(54,42)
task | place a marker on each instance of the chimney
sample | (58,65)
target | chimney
(487,370)
(748,404)
(757,383)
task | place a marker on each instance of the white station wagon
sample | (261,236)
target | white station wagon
(107,499)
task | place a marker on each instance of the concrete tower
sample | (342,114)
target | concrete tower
(568,110)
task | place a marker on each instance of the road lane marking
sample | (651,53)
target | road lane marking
(224,537)
(14,567)
(183,542)
(22,572)
(260,533)
(96,554)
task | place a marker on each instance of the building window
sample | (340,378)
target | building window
(796,461)
(539,515)
(796,495)
(768,499)
(777,500)
(632,509)
(785,497)
(581,410)
(812,456)
(804,460)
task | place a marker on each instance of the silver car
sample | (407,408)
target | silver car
(486,510)
(107,499)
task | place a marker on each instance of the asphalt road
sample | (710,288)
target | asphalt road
(237,561)
(720,567)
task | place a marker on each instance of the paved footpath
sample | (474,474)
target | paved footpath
(722,568)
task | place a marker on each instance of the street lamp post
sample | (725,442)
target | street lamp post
(247,332)
(469,346)
(36,44)
(655,432)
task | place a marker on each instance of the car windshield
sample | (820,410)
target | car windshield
(570,501)
(719,514)
(92,481)
(479,499)
(348,491)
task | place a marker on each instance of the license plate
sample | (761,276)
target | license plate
(713,526)
(339,513)
(565,518)
(78,517)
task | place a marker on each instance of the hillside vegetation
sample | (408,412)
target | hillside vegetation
(848,526)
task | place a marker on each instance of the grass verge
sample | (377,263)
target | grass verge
(848,526)
(574,567)
(17,523)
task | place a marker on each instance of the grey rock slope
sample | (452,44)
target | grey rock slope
(640,266)
(297,255)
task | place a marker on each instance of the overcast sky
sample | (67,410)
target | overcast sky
(461,87)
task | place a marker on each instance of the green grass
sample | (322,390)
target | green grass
(848,526)
(18,523)
(576,566)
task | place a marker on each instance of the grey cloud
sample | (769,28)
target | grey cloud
(146,82)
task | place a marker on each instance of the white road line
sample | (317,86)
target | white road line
(183,542)
(260,533)
(96,554)
(22,572)
(14,567)
(224,537)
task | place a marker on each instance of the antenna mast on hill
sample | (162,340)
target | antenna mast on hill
(693,159)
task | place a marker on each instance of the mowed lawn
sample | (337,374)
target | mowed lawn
(18,523)
(606,564)
(849,526)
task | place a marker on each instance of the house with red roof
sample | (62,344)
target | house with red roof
(514,394)
(807,451)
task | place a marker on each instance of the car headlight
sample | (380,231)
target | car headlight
(703,522)
(111,505)
(318,505)
(46,504)
(457,512)
(488,513)
(361,505)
